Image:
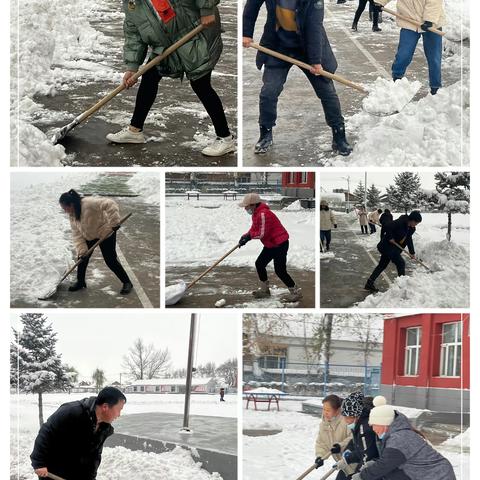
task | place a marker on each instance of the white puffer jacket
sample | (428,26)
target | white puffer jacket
(419,10)
(97,218)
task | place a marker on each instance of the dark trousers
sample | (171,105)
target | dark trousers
(364,228)
(109,255)
(274,77)
(326,237)
(279,257)
(372,228)
(342,476)
(361,7)
(389,254)
(432,47)
(147,92)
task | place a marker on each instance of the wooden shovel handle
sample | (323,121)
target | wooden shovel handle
(413,258)
(307,472)
(412,21)
(168,51)
(91,249)
(54,477)
(191,284)
(306,66)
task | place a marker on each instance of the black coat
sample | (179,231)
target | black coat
(364,442)
(385,219)
(309,17)
(69,444)
(399,231)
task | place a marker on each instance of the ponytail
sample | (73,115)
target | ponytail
(72,198)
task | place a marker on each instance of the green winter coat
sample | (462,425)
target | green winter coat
(143,28)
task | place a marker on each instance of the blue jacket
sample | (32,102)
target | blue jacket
(309,17)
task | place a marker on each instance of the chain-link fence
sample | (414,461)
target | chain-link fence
(313,379)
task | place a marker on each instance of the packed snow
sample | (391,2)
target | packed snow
(40,236)
(199,232)
(147,185)
(118,462)
(289,453)
(66,51)
(173,293)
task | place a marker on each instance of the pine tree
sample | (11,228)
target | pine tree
(359,191)
(373,197)
(405,194)
(453,195)
(34,364)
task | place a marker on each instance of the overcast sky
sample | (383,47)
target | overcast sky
(88,340)
(330,181)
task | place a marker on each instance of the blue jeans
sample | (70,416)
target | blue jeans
(432,46)
(274,77)
(326,237)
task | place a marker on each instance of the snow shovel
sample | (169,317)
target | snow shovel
(312,468)
(306,66)
(52,292)
(63,132)
(414,259)
(174,293)
(54,477)
(412,21)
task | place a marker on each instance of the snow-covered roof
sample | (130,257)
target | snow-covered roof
(171,381)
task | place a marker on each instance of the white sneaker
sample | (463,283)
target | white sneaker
(126,136)
(220,146)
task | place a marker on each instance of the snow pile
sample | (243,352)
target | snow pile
(386,96)
(266,391)
(457,13)
(220,303)
(460,441)
(432,131)
(173,293)
(446,287)
(294,207)
(199,233)
(41,244)
(147,185)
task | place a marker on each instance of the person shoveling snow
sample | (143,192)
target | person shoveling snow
(397,235)
(267,228)
(327,221)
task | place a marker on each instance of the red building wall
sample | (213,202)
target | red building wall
(294,180)
(429,363)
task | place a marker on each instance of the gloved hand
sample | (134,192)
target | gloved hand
(318,462)
(367,464)
(346,454)
(341,464)
(334,225)
(336,448)
(115,228)
(426,25)
(357,476)
(244,239)
(82,257)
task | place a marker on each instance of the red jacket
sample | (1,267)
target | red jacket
(267,228)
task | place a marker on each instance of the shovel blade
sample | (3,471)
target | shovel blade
(61,133)
(49,294)
(174,293)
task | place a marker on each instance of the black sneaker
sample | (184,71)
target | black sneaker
(126,289)
(340,143)
(371,286)
(77,286)
(354,26)
(376,28)
(433,91)
(265,141)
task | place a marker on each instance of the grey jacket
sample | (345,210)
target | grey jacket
(405,455)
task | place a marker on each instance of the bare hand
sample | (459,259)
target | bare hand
(208,20)
(316,69)
(413,257)
(127,79)
(247,41)
(42,472)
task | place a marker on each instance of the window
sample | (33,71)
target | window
(277,358)
(291,177)
(157,388)
(451,350)
(412,350)
(304,177)
(142,388)
(135,389)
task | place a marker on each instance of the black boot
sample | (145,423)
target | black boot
(433,91)
(354,26)
(78,285)
(340,143)
(265,141)
(376,28)
(371,286)
(126,289)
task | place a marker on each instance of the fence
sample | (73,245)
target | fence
(314,380)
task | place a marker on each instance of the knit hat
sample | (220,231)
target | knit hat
(352,406)
(250,199)
(381,414)
(323,203)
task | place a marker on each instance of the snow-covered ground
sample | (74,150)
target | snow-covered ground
(448,285)
(291,452)
(199,232)
(48,38)
(118,463)
(148,185)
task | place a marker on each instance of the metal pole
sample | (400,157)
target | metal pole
(365,194)
(188,386)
